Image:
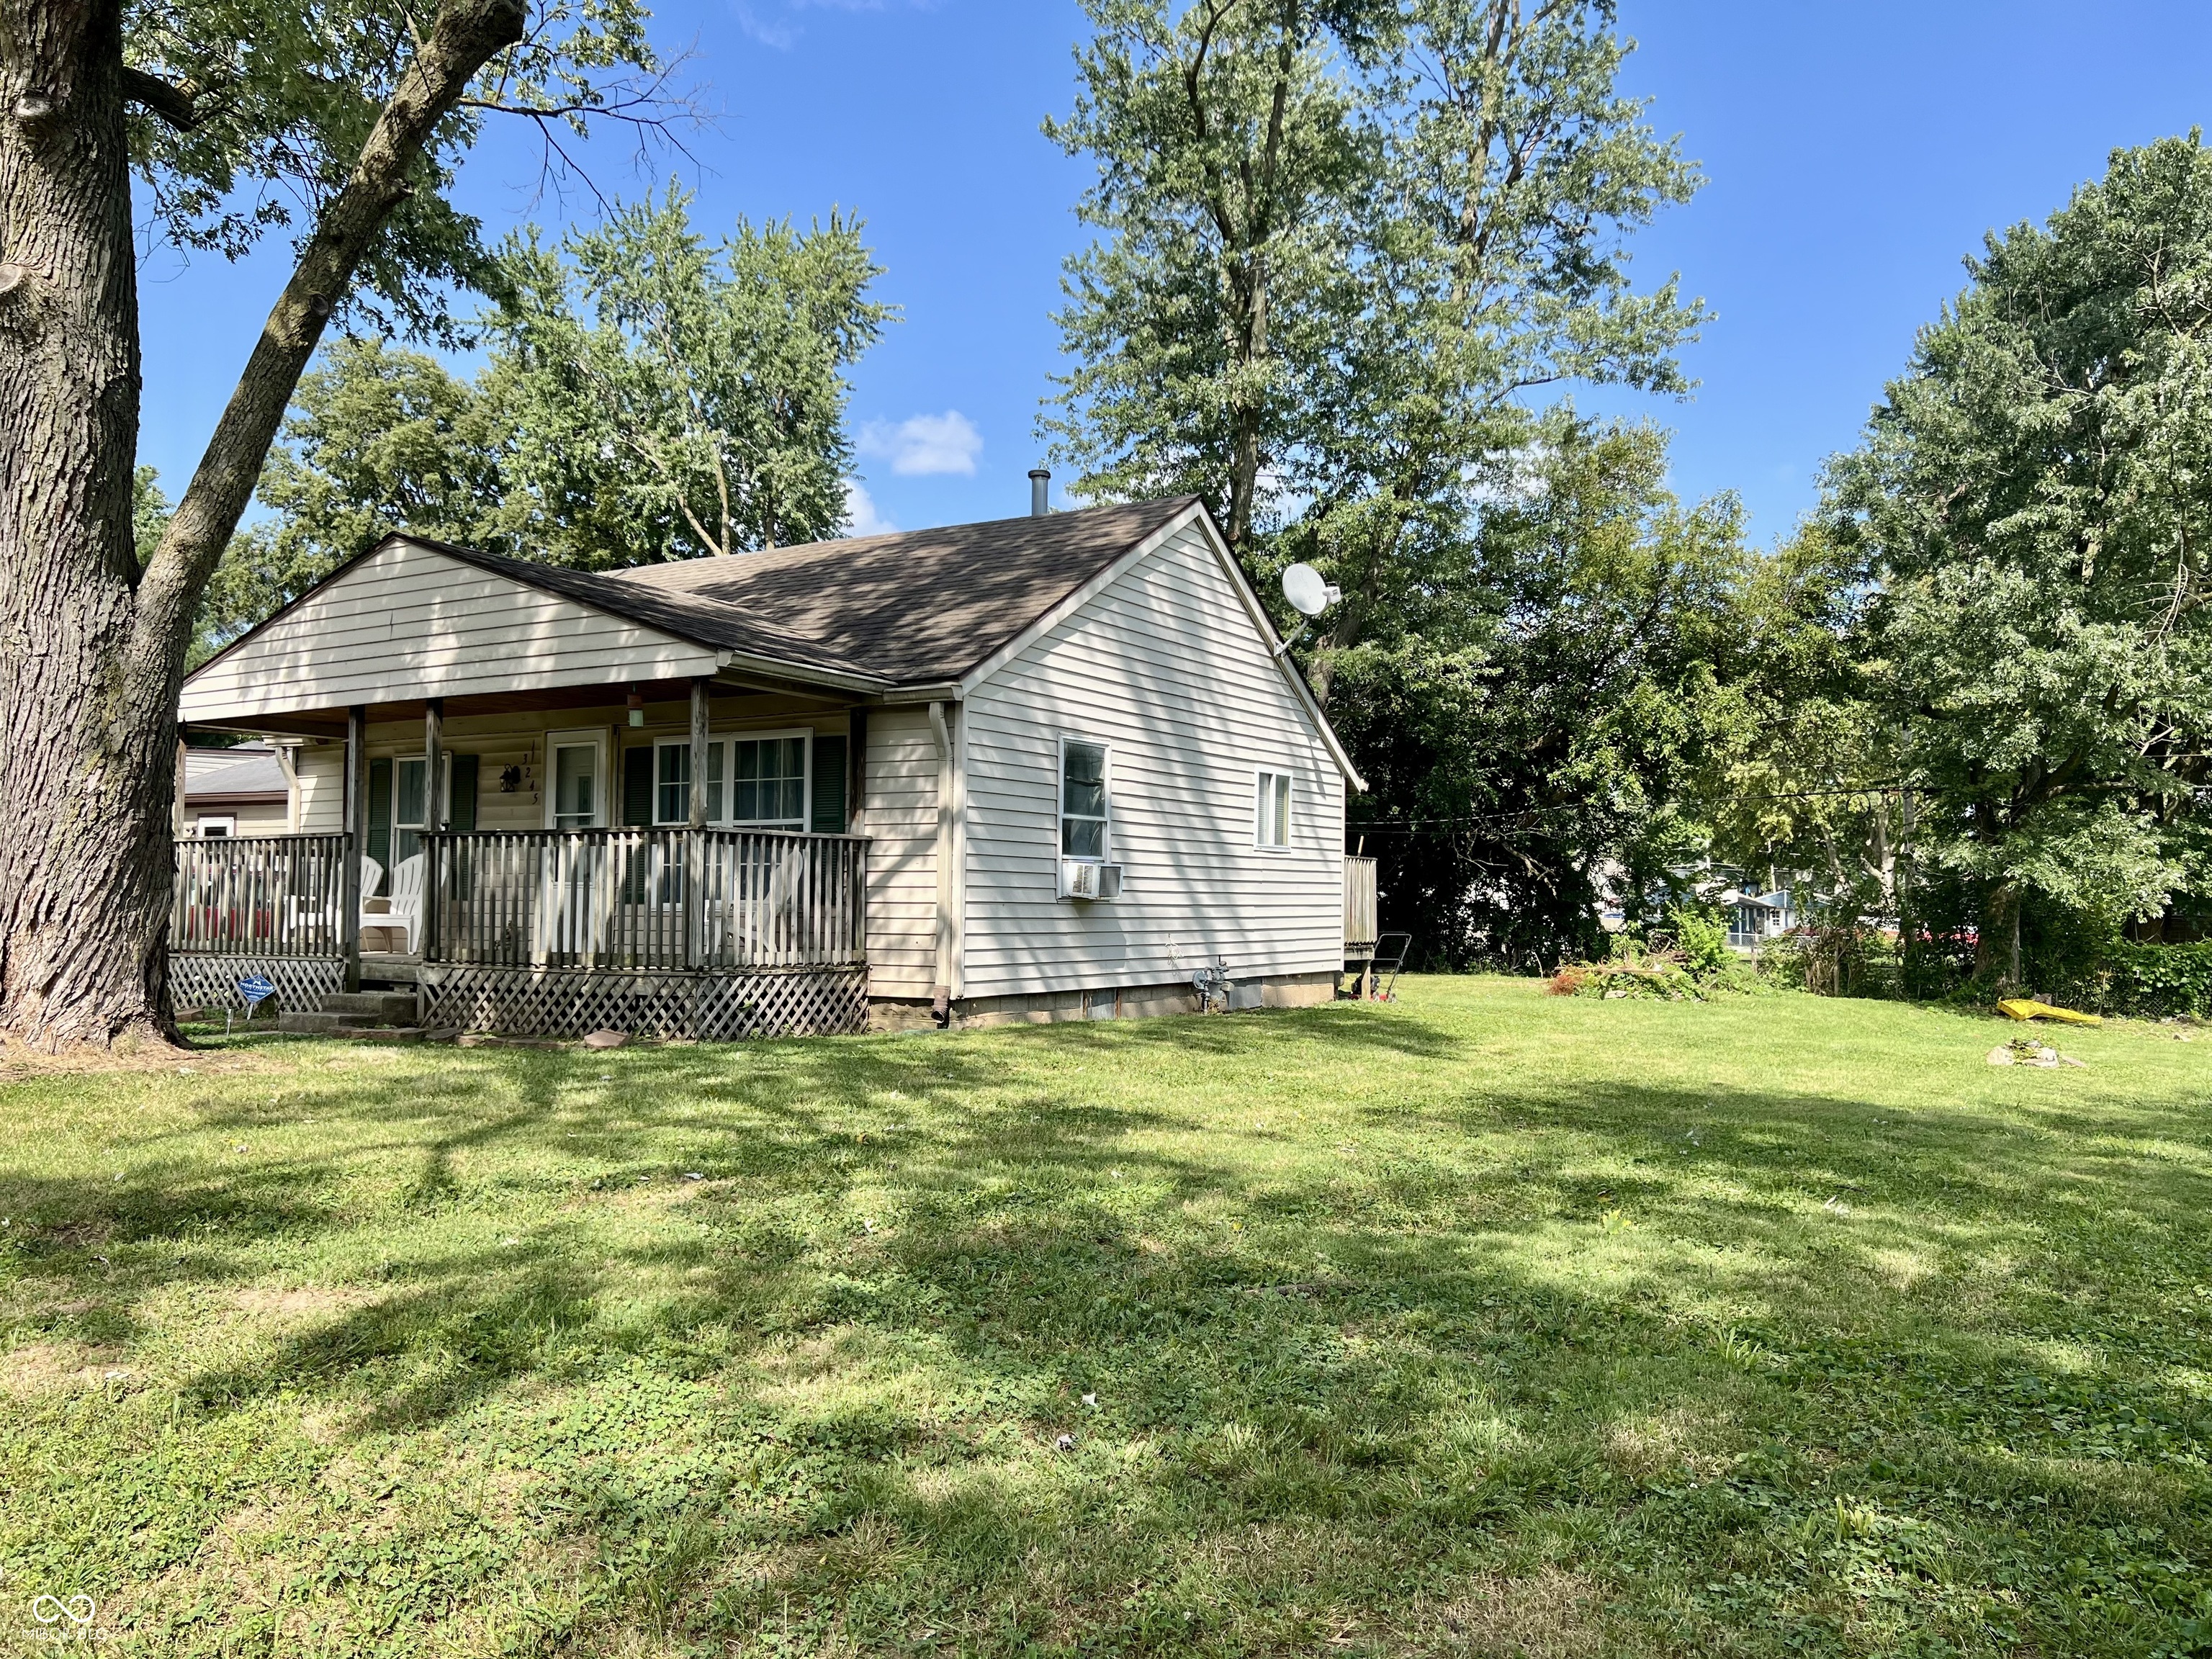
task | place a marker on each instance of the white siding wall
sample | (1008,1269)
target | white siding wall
(1166,666)
(322,788)
(411,623)
(901,818)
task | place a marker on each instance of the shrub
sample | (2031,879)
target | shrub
(2148,981)
(1702,938)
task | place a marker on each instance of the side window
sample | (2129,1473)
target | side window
(1083,813)
(1271,811)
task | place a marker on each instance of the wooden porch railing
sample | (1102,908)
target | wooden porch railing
(646,899)
(260,896)
(1359,918)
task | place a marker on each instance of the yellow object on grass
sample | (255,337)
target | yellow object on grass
(2021,1008)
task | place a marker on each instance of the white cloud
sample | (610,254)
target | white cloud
(776,35)
(923,445)
(778,32)
(861,518)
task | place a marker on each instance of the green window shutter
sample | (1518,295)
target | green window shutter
(461,810)
(379,818)
(829,785)
(637,787)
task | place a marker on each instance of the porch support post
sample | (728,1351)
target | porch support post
(699,721)
(695,850)
(434,821)
(355,796)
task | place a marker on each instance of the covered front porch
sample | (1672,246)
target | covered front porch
(710,934)
(669,857)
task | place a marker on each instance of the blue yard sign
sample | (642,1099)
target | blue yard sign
(255,989)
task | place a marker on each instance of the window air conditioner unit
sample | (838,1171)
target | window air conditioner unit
(1081,879)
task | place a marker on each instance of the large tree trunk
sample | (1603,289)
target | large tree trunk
(91,653)
(86,758)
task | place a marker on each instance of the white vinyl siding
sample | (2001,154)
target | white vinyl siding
(1166,665)
(322,788)
(900,816)
(411,622)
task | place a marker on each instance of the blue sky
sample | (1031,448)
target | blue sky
(1855,155)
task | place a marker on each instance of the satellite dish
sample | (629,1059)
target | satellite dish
(1308,593)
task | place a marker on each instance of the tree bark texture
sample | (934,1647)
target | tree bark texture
(92,651)
(86,769)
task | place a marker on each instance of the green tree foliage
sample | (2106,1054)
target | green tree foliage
(150,511)
(1548,758)
(1346,251)
(664,397)
(249,118)
(2032,512)
(1340,242)
(648,397)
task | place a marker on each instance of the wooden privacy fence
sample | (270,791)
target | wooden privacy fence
(261,896)
(1359,923)
(646,900)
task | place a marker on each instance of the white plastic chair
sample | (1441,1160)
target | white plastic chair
(404,913)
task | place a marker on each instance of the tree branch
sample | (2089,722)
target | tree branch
(465,35)
(171,102)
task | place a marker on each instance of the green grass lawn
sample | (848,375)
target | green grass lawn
(1484,1323)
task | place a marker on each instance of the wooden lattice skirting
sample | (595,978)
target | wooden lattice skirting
(713,1008)
(211,981)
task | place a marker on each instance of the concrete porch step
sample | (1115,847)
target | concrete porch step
(372,1008)
(349,1027)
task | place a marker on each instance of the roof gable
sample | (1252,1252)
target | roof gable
(410,619)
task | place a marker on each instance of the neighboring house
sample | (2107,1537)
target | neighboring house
(1036,769)
(243,791)
(1756,912)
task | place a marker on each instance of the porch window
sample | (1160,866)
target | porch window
(409,804)
(752,783)
(671,789)
(1083,804)
(1271,811)
(216,827)
(767,783)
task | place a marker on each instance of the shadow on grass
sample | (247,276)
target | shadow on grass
(1611,1324)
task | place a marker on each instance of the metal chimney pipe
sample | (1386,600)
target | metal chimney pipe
(1040,492)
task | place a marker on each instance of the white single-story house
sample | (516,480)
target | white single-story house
(1042,768)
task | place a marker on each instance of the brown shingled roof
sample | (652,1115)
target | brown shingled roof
(919,605)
